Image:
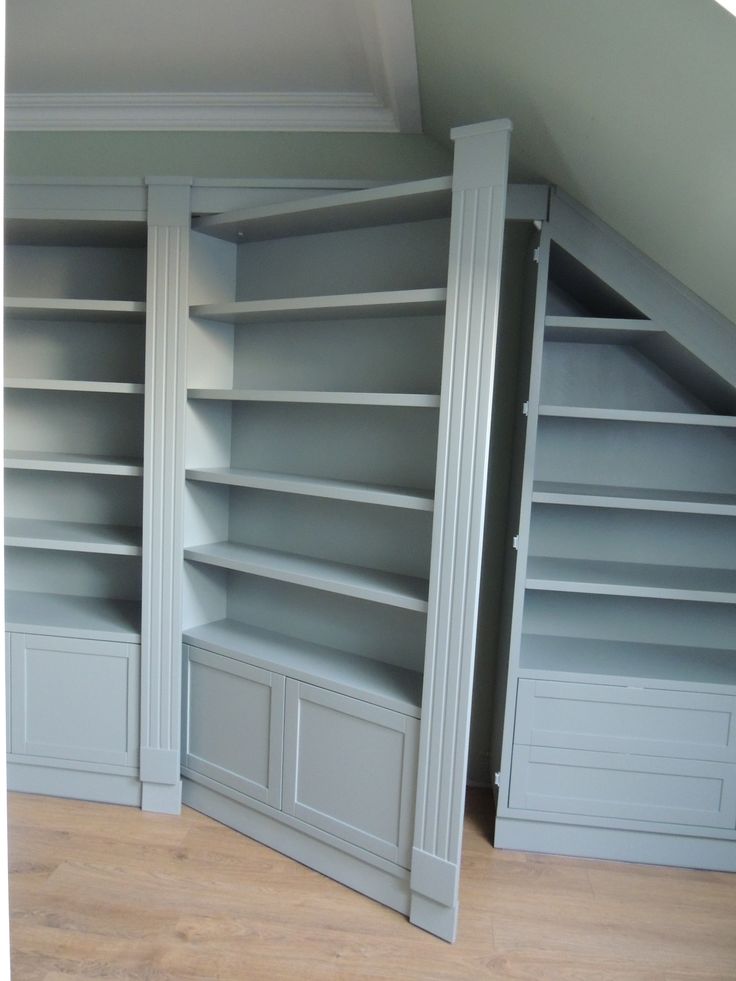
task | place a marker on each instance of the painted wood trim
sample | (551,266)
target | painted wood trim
(476,241)
(168,259)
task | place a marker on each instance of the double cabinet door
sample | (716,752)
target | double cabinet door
(326,759)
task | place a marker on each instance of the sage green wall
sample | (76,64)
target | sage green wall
(628,105)
(359,156)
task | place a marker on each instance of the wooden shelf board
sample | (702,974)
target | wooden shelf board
(73,616)
(409,400)
(361,677)
(633,498)
(341,490)
(72,463)
(61,309)
(616,660)
(72,536)
(69,385)
(349,306)
(414,201)
(637,415)
(602,330)
(631,579)
(369,584)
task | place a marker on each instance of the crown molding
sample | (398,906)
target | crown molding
(387,35)
(299,111)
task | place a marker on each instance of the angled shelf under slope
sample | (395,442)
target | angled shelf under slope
(638,415)
(339,490)
(348,306)
(631,579)
(408,400)
(92,617)
(407,592)
(360,677)
(62,309)
(73,536)
(601,330)
(634,498)
(73,463)
(413,201)
(546,656)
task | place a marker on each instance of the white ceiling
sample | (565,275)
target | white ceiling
(212,64)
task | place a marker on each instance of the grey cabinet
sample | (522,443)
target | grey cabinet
(74,700)
(233,725)
(621,676)
(350,769)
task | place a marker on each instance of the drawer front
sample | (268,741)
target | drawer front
(74,699)
(350,769)
(233,718)
(637,788)
(612,719)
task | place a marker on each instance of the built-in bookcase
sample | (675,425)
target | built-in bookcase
(622,643)
(74,373)
(314,381)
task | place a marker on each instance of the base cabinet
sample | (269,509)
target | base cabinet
(244,749)
(334,763)
(349,769)
(73,700)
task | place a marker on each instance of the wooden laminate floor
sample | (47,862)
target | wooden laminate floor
(109,892)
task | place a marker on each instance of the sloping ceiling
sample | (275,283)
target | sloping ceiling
(628,105)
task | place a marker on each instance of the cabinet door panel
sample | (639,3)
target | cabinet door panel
(350,769)
(74,699)
(233,724)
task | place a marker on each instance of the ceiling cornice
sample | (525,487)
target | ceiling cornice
(347,111)
(387,36)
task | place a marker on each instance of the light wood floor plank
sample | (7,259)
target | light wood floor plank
(103,892)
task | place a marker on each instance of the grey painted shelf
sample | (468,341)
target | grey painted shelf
(73,616)
(340,490)
(72,536)
(99,227)
(369,584)
(361,677)
(349,306)
(610,660)
(414,201)
(638,415)
(72,463)
(69,385)
(96,311)
(631,579)
(409,400)
(633,498)
(602,330)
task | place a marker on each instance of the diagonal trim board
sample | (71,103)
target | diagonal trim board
(692,324)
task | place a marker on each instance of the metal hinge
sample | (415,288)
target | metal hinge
(535,255)
(515,542)
(497,779)
(525,408)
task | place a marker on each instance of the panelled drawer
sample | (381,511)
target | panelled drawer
(614,785)
(612,719)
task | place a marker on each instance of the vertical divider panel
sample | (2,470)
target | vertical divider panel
(166,319)
(476,243)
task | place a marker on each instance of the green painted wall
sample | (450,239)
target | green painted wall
(359,156)
(628,105)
